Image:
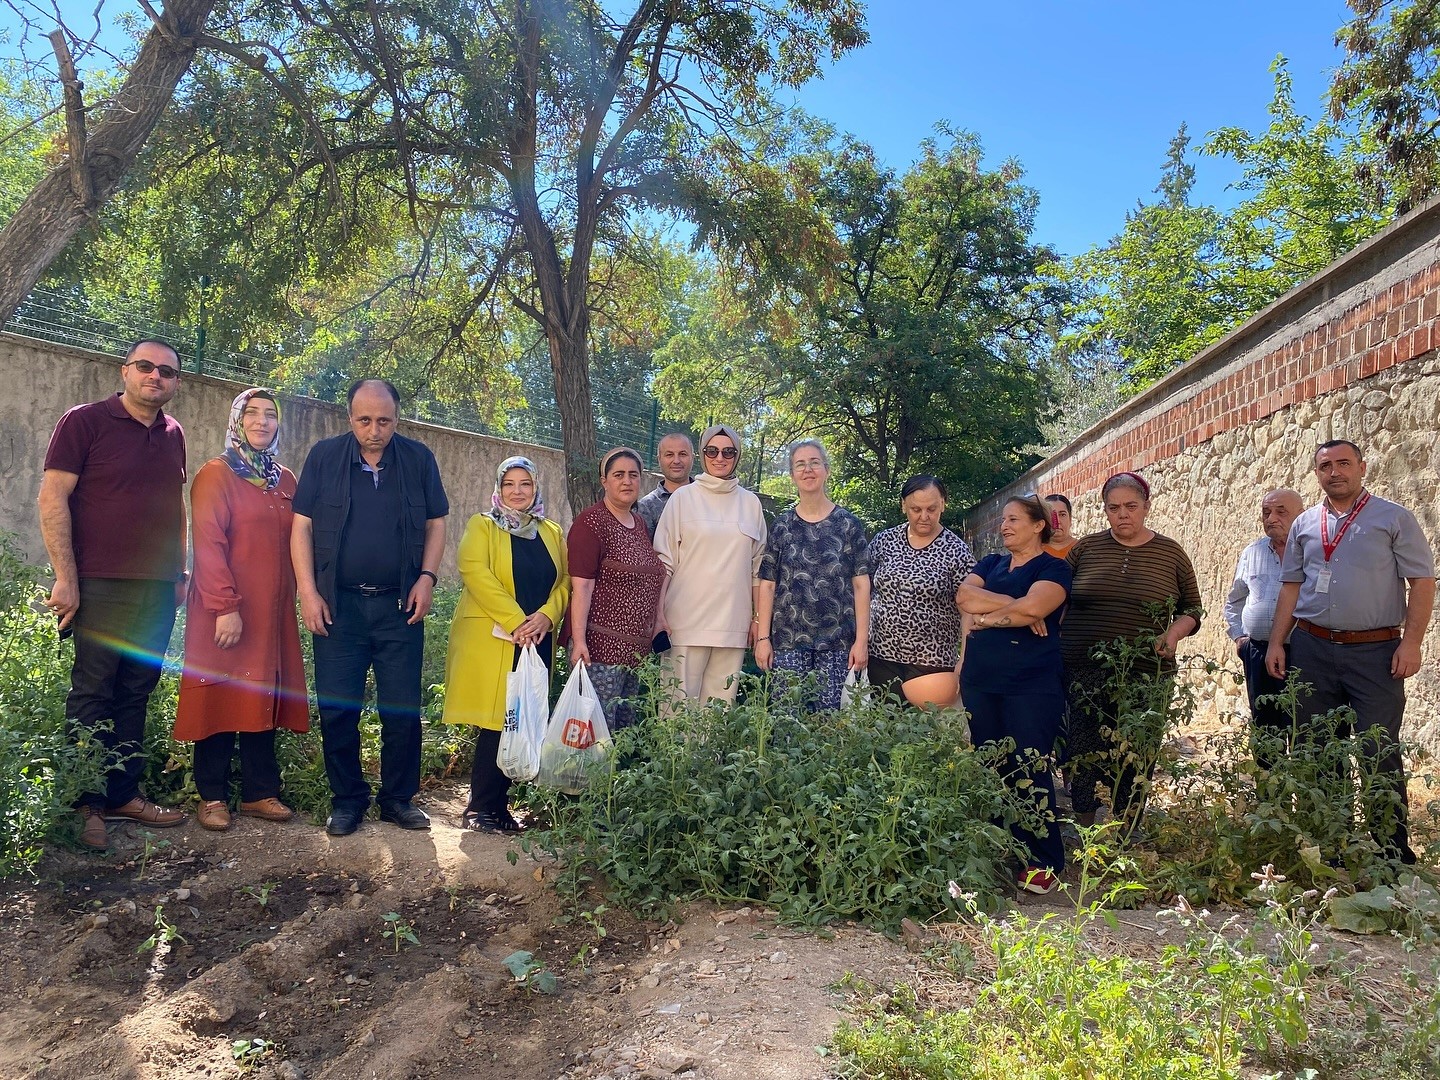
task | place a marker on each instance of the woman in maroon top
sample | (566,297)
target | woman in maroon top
(618,588)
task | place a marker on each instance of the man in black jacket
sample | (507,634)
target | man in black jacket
(369,532)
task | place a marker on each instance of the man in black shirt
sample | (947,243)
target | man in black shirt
(369,532)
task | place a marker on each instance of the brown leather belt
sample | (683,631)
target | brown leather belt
(1348,637)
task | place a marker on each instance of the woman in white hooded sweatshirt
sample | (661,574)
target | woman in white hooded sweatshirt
(710,538)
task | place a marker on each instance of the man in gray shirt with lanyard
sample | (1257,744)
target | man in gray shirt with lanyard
(1358,629)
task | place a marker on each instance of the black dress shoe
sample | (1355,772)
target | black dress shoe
(405,815)
(343,822)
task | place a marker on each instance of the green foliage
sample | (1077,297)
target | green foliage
(1145,703)
(1230,996)
(1389,84)
(28,130)
(868,813)
(1180,276)
(532,973)
(1223,815)
(250,1054)
(896,315)
(399,930)
(42,769)
(165,933)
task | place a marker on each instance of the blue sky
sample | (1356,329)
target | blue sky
(1085,94)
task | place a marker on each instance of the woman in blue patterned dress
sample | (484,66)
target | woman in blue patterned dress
(813,606)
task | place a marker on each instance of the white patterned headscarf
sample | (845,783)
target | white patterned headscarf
(522,523)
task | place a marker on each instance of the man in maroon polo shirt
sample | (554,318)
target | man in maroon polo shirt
(112,514)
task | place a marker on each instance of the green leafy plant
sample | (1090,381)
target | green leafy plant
(250,1054)
(44,767)
(165,932)
(867,813)
(149,848)
(261,893)
(1232,994)
(531,972)
(399,930)
(1220,814)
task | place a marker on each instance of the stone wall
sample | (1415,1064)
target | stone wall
(45,379)
(1348,354)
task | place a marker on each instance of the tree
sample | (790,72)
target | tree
(901,308)
(1180,276)
(1305,204)
(1390,84)
(99,160)
(536,125)
(1151,294)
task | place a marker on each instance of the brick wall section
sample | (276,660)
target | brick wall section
(1312,345)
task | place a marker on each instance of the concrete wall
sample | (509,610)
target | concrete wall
(45,379)
(1348,354)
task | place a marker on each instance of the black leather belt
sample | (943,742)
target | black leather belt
(372,590)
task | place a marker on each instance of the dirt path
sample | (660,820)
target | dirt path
(280,937)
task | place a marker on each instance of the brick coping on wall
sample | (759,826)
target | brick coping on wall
(1292,359)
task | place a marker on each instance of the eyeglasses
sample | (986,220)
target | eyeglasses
(808,466)
(145,367)
(726,452)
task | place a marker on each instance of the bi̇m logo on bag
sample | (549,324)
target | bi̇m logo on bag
(578,734)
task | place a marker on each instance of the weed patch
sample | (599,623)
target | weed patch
(863,814)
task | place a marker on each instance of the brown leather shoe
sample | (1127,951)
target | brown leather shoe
(268,809)
(214,816)
(92,832)
(147,813)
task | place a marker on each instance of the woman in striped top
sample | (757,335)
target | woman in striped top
(1123,577)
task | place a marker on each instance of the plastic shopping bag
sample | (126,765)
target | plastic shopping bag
(577,736)
(527,699)
(856,688)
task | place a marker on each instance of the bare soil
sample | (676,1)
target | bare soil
(725,993)
(718,994)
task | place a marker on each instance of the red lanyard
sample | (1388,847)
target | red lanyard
(1325,543)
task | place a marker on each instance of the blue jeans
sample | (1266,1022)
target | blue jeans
(121,631)
(370,632)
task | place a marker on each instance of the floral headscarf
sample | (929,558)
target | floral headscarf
(259,467)
(522,523)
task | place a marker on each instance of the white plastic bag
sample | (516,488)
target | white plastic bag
(856,688)
(576,737)
(527,699)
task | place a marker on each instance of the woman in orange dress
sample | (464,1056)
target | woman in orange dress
(243,677)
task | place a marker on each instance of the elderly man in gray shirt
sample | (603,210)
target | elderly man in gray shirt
(1358,628)
(1250,609)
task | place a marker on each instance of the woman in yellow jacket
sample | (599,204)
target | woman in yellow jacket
(513,568)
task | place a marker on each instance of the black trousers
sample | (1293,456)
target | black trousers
(259,772)
(489,787)
(121,631)
(370,633)
(1264,716)
(1359,676)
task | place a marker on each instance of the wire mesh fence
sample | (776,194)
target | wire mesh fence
(69,317)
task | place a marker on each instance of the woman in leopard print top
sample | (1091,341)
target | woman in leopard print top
(915,571)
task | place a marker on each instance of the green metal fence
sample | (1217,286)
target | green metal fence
(69,317)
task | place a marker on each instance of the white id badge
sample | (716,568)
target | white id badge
(1322,581)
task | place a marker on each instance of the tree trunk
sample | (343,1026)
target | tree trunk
(570,361)
(54,212)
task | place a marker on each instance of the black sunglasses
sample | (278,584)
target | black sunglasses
(727,452)
(145,367)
